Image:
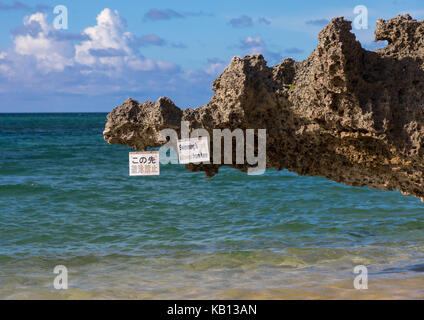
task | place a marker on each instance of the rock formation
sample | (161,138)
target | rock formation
(351,115)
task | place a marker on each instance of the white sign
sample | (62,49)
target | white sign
(144,163)
(193,150)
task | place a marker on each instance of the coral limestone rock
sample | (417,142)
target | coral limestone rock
(351,115)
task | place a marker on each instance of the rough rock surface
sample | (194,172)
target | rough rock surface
(351,115)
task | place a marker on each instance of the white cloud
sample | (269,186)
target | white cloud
(4,69)
(166,66)
(215,67)
(51,54)
(109,33)
(141,65)
(103,48)
(46,65)
(254,45)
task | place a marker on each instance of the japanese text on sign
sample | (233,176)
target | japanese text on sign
(144,163)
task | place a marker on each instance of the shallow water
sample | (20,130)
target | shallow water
(66,199)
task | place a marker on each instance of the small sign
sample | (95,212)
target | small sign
(144,163)
(193,150)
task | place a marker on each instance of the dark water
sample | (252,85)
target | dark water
(66,199)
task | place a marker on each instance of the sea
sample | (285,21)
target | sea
(66,199)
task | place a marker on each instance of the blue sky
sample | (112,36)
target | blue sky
(146,49)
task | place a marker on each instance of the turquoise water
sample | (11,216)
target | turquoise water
(66,199)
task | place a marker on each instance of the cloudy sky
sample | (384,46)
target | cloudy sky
(113,50)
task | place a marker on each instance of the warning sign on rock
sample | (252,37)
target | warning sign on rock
(144,163)
(193,150)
